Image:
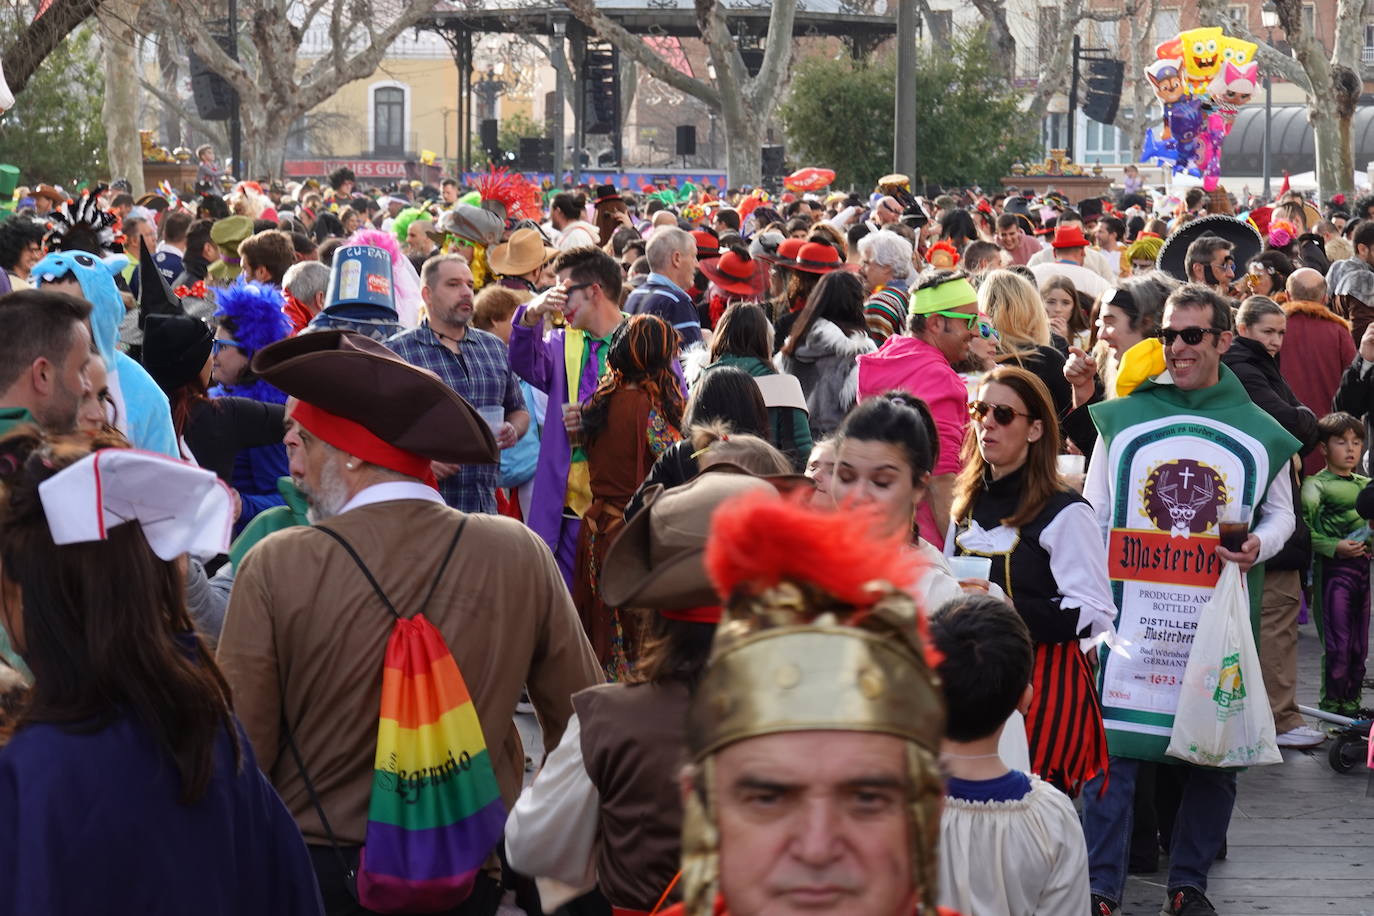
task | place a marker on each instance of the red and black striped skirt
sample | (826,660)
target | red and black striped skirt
(1068,742)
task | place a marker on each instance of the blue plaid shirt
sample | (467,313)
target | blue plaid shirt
(480,371)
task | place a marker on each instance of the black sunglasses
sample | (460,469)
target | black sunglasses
(1002,413)
(1191,336)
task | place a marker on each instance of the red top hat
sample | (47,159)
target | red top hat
(738,274)
(1069,237)
(818,258)
(708,246)
(787,252)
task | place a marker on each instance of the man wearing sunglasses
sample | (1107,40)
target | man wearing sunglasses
(943,321)
(1209,261)
(1182,448)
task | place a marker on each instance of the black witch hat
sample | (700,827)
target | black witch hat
(155,296)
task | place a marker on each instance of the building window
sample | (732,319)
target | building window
(1309,18)
(1103,143)
(1166,25)
(1239,15)
(388,120)
(1367,54)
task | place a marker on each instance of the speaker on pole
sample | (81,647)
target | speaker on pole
(686,140)
(773,162)
(215,98)
(1104,90)
(488,132)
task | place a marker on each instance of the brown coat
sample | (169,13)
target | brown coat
(305,636)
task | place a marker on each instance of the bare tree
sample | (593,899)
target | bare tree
(1001,42)
(744,102)
(1054,74)
(39,38)
(119,47)
(1332,83)
(1140,41)
(274,89)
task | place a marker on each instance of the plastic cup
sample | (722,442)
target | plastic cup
(970,567)
(495,417)
(1070,465)
(1234,526)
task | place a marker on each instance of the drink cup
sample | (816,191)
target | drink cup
(1234,527)
(495,417)
(970,567)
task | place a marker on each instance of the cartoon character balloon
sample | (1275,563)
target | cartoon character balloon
(6,97)
(1202,77)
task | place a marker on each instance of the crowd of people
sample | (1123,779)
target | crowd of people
(848,548)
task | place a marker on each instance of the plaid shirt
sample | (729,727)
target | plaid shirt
(480,371)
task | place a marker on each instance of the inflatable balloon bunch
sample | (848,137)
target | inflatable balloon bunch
(1202,77)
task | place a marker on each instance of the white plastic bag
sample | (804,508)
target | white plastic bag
(1223,717)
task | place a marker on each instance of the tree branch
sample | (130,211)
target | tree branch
(632,46)
(217,136)
(777,56)
(1349,34)
(26,52)
(1213,13)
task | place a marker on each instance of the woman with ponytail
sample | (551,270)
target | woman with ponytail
(634,415)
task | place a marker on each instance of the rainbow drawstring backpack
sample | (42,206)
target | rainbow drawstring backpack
(436,812)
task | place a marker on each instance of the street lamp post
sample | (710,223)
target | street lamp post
(1269,17)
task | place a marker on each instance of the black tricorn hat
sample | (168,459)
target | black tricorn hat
(359,379)
(1244,238)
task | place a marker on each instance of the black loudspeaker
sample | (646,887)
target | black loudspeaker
(215,99)
(601,82)
(1104,90)
(753,60)
(772,162)
(686,140)
(536,154)
(488,132)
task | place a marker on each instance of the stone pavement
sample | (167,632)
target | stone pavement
(1302,836)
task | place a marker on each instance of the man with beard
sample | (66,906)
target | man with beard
(45,347)
(473,363)
(306,632)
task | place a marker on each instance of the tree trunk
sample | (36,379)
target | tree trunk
(169,74)
(1331,163)
(743,148)
(1001,43)
(119,110)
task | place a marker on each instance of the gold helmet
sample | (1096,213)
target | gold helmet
(816,634)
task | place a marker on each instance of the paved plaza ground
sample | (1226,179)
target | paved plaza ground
(1302,836)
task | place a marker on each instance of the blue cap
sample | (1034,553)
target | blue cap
(361,275)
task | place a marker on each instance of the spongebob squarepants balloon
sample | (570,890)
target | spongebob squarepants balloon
(1201,77)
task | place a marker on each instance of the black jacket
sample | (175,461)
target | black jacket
(1259,373)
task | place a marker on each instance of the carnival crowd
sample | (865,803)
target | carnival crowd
(848,548)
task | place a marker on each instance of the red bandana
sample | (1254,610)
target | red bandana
(358,440)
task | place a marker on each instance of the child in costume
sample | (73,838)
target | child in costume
(142,412)
(1340,573)
(993,813)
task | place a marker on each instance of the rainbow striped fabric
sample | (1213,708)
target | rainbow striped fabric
(436,811)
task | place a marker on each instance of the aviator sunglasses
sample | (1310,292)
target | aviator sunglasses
(1002,413)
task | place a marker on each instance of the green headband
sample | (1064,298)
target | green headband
(948,295)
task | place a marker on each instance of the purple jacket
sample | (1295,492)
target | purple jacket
(539,359)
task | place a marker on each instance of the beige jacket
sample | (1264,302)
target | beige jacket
(305,636)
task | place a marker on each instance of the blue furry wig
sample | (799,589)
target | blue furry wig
(253,314)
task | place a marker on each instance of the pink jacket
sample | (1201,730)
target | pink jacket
(918,368)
